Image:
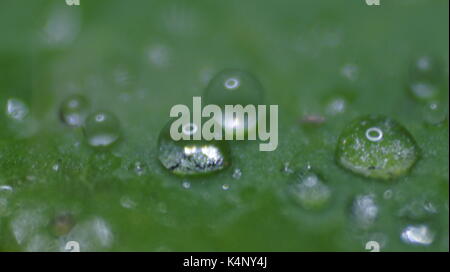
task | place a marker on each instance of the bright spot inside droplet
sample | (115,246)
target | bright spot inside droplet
(16,109)
(225,187)
(418,235)
(232,83)
(374,134)
(189,129)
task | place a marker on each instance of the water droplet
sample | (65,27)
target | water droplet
(237,173)
(158,55)
(435,112)
(5,193)
(62,27)
(73,110)
(225,187)
(102,129)
(186,184)
(139,168)
(235,87)
(27,223)
(16,109)
(287,168)
(418,209)
(127,202)
(387,194)
(310,191)
(192,157)
(56,167)
(365,210)
(376,147)
(417,235)
(426,79)
(93,235)
(350,71)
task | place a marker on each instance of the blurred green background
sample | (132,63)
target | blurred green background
(137,59)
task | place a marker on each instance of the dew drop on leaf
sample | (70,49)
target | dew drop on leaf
(16,109)
(192,157)
(309,191)
(376,147)
(235,87)
(364,210)
(417,235)
(102,129)
(74,110)
(426,78)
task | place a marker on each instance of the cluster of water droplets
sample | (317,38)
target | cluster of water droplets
(428,85)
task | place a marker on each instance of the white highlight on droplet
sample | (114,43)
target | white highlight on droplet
(374,134)
(232,83)
(190,129)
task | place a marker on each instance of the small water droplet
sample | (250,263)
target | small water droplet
(417,235)
(426,79)
(102,129)
(234,87)
(186,184)
(435,112)
(158,55)
(139,168)
(5,193)
(225,187)
(16,109)
(237,173)
(376,147)
(350,71)
(26,223)
(287,168)
(387,194)
(310,191)
(365,210)
(418,209)
(56,167)
(192,157)
(73,110)
(127,202)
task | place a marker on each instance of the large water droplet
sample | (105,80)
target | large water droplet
(73,110)
(418,235)
(235,87)
(310,191)
(192,157)
(376,147)
(102,129)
